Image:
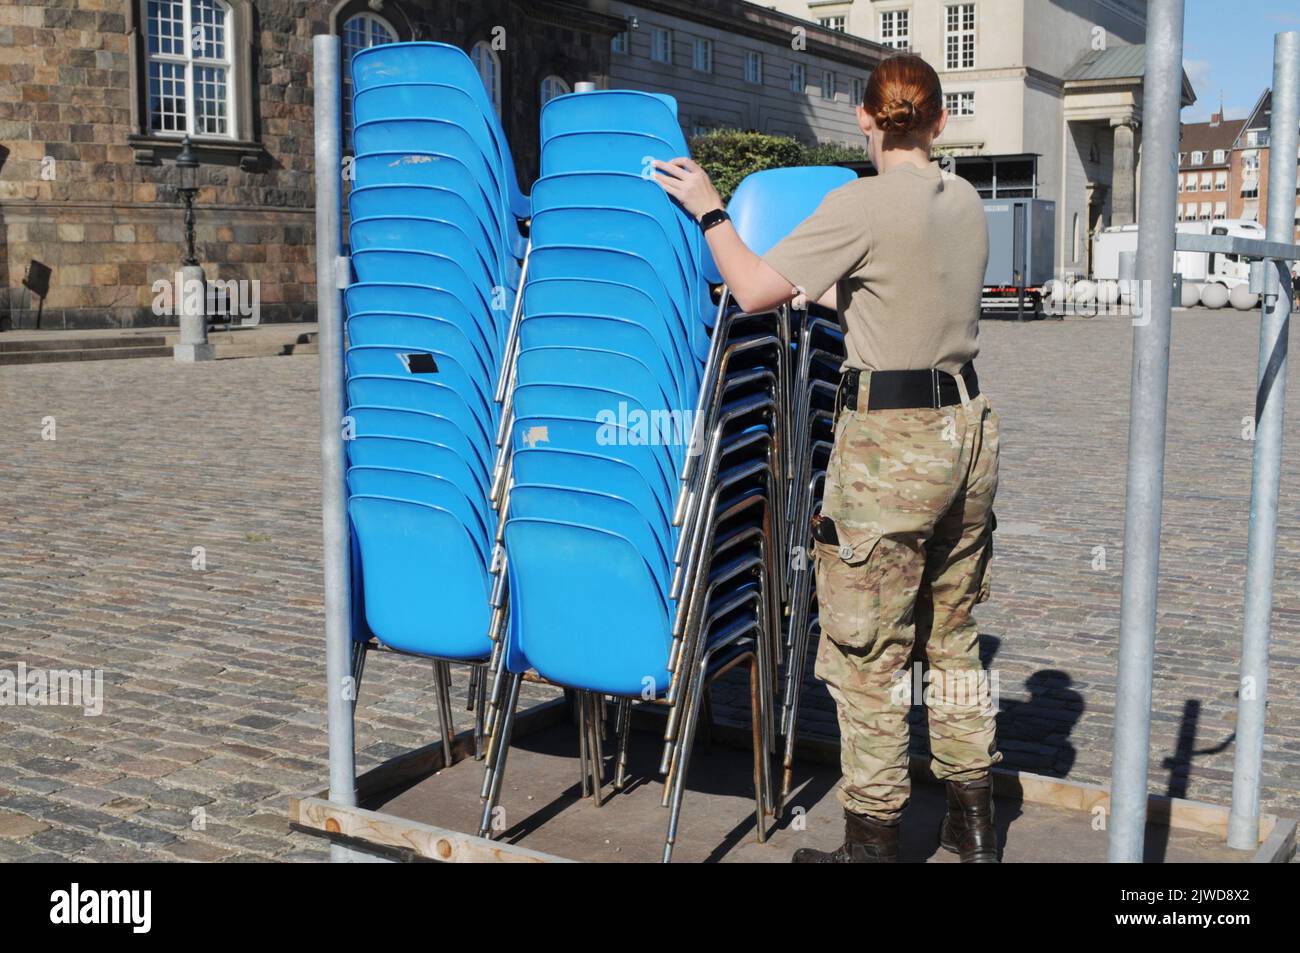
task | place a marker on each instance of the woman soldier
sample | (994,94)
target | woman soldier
(904,536)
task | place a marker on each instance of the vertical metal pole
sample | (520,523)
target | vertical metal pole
(329,309)
(1270,398)
(1146,438)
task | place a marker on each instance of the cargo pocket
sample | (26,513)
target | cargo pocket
(986,561)
(848,587)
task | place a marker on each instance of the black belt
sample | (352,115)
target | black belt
(907,390)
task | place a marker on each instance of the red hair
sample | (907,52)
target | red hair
(903,95)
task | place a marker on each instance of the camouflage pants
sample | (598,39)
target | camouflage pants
(911,495)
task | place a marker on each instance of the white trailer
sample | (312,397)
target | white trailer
(1229,270)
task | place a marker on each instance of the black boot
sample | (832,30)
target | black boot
(866,841)
(968,828)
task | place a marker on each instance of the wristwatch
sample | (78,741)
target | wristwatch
(716,217)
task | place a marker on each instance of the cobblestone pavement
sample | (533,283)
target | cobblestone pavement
(211,657)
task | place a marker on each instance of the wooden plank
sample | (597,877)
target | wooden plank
(421,840)
(1279,845)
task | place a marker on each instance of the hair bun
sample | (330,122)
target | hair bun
(898,116)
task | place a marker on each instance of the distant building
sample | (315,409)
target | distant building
(1248,174)
(1044,98)
(1204,151)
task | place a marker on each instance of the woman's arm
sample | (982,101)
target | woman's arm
(755,285)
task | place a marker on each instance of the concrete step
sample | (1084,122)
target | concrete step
(98,353)
(60,343)
(45,347)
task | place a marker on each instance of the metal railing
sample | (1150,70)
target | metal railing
(1148,402)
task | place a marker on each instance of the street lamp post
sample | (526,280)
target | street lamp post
(191,294)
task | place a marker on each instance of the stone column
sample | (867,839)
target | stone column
(1123,203)
(191,299)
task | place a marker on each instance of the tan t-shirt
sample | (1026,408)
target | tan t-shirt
(908,249)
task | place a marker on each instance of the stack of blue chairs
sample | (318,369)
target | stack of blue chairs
(568,460)
(617,587)
(436,246)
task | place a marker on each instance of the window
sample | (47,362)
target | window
(1219,157)
(1220,209)
(895,29)
(620,43)
(488,64)
(1180,183)
(189,87)
(1191,182)
(828,85)
(798,77)
(1220,181)
(702,62)
(959,105)
(857,90)
(1182,158)
(1207,182)
(661,45)
(959,36)
(833,23)
(360,32)
(1198,157)
(1205,212)
(753,67)
(553,86)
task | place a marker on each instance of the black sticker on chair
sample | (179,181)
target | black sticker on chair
(420,363)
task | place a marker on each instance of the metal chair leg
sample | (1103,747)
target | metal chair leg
(501,744)
(623,729)
(441,684)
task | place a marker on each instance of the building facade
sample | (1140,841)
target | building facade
(1044,98)
(1204,168)
(97,95)
(1248,170)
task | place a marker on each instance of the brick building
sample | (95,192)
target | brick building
(95,96)
(1248,178)
(1203,168)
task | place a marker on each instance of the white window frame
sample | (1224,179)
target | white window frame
(1198,157)
(798,77)
(1221,181)
(754,67)
(661,45)
(837,23)
(957,38)
(188,60)
(894,29)
(702,55)
(1191,182)
(960,104)
(551,87)
(1219,157)
(828,85)
(488,64)
(1220,210)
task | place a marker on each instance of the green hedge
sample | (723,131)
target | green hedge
(728,155)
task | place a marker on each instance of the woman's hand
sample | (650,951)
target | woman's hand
(685,181)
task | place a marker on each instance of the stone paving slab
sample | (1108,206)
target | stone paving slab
(169,538)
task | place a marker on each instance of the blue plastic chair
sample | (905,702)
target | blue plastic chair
(395,361)
(432,302)
(625,152)
(426,587)
(768,205)
(613,110)
(619,643)
(399,423)
(435,62)
(420,331)
(424,488)
(597,472)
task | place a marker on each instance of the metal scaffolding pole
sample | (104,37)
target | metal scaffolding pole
(1161,102)
(339,690)
(1270,400)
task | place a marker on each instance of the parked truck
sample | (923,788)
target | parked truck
(1229,270)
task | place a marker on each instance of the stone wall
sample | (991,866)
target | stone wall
(84,193)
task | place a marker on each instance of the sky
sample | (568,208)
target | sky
(1228,50)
